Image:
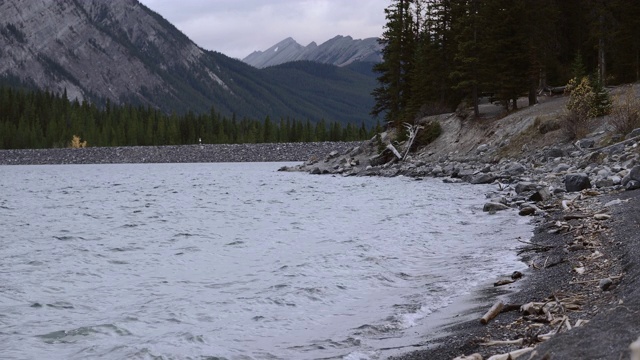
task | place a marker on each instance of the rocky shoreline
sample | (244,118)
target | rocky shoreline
(580,298)
(281,152)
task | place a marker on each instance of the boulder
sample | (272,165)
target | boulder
(465,174)
(542,194)
(482,179)
(605,284)
(577,182)
(635,173)
(515,169)
(527,211)
(632,185)
(493,207)
(522,187)
(603,183)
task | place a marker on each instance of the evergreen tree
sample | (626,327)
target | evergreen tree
(394,88)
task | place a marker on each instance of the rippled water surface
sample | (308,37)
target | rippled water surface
(233,261)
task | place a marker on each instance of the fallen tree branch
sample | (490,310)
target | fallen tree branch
(413,133)
(503,342)
(511,355)
(615,277)
(394,151)
(492,313)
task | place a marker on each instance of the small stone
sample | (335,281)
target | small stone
(482,148)
(605,284)
(561,168)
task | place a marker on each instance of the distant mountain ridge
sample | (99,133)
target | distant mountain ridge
(121,51)
(339,51)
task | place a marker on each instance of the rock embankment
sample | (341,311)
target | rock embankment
(175,154)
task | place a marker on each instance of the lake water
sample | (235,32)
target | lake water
(234,261)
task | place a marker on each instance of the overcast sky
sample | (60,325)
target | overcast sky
(236,28)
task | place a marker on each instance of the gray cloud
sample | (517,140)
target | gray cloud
(239,27)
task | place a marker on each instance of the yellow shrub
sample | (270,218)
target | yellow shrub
(76,143)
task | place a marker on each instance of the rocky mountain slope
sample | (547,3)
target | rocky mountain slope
(124,52)
(339,51)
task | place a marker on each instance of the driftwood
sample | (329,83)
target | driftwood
(493,312)
(475,356)
(412,132)
(503,342)
(511,355)
(635,349)
(394,151)
(615,277)
(503,282)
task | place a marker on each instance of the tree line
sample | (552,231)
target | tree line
(41,119)
(441,53)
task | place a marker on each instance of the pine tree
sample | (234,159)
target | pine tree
(394,88)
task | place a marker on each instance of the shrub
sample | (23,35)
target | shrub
(427,135)
(76,143)
(587,99)
(625,114)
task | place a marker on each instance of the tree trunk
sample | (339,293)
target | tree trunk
(533,93)
(474,98)
(602,65)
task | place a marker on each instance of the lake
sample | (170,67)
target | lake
(234,261)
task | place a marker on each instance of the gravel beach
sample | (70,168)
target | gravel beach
(175,154)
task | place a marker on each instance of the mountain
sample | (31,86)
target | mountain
(339,51)
(123,52)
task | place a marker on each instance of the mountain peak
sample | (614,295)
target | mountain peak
(339,50)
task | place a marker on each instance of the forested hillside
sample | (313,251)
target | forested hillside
(38,119)
(439,53)
(122,51)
